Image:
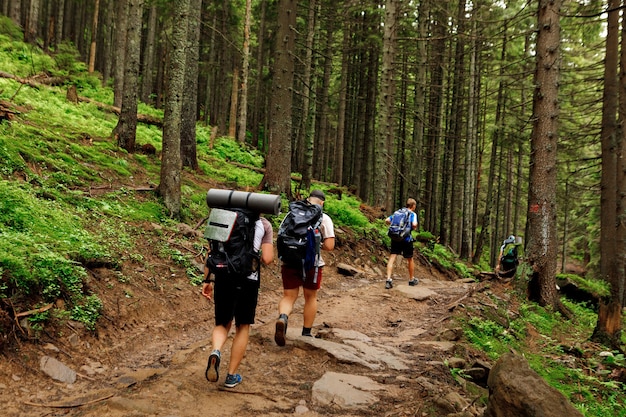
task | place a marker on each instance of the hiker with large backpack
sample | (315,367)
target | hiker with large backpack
(401,223)
(240,240)
(302,234)
(508,258)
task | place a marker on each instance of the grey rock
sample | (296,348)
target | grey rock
(57,370)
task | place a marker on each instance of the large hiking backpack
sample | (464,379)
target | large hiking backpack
(231,239)
(509,261)
(400,226)
(299,238)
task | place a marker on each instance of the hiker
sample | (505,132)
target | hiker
(302,274)
(235,297)
(507,259)
(401,223)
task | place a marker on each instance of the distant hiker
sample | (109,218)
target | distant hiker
(401,223)
(235,288)
(508,258)
(304,231)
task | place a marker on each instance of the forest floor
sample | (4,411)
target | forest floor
(149,354)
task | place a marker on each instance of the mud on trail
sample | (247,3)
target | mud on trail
(149,353)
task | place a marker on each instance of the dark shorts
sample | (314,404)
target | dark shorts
(235,298)
(292,278)
(405,248)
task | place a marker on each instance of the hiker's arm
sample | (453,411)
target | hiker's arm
(328,243)
(267,253)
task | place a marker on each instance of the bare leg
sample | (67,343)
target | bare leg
(310,307)
(220,334)
(411,268)
(240,342)
(289,298)
(392,261)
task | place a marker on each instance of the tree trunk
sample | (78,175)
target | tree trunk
(259,97)
(147,79)
(188,149)
(469,183)
(277,177)
(608,327)
(126,128)
(433,135)
(94,35)
(121,29)
(245,70)
(234,94)
(385,167)
(542,238)
(171,164)
(304,149)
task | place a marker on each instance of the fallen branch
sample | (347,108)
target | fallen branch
(35,311)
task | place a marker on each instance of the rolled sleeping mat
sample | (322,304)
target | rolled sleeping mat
(262,203)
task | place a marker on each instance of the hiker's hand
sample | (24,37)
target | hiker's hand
(207,290)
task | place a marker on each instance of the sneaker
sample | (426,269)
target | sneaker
(232,380)
(281,330)
(388,285)
(413,282)
(212,372)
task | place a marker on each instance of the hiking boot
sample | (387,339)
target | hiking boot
(388,285)
(212,372)
(281,330)
(232,380)
(413,282)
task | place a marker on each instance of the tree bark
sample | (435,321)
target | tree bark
(121,29)
(126,128)
(245,71)
(277,177)
(94,35)
(188,147)
(171,164)
(608,326)
(542,238)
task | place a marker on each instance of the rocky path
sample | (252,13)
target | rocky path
(377,352)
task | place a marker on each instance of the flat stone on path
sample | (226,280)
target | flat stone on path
(418,293)
(57,370)
(345,391)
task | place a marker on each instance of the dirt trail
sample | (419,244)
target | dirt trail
(149,356)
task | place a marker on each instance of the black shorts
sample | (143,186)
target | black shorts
(235,297)
(405,248)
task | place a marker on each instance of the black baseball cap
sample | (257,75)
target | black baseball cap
(318,194)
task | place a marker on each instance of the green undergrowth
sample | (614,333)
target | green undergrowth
(555,348)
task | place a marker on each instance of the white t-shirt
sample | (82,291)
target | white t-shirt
(327,230)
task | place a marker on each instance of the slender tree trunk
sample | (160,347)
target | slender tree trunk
(126,128)
(188,148)
(608,327)
(341,117)
(277,177)
(385,167)
(433,136)
(542,238)
(120,45)
(147,79)
(60,21)
(94,36)
(245,70)
(234,94)
(171,164)
(470,144)
(304,145)
(259,98)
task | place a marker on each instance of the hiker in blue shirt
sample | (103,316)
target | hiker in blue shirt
(404,246)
